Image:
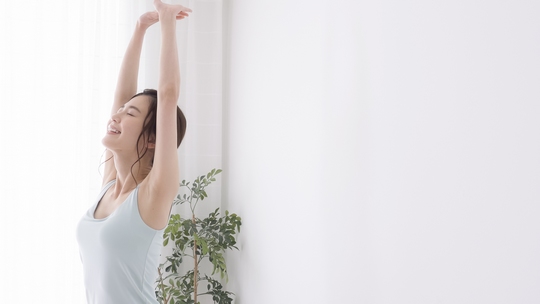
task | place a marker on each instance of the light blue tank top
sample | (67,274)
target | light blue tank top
(120,254)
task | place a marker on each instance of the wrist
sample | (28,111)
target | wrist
(141,27)
(167,18)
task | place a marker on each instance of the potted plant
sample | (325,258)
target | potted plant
(199,241)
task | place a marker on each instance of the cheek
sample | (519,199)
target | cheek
(131,133)
(134,127)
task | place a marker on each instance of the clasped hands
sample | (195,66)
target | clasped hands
(164,10)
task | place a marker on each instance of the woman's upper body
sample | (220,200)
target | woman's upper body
(121,234)
(120,254)
(140,154)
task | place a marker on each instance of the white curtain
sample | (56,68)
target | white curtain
(58,65)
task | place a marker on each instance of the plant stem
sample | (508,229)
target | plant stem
(165,299)
(196,265)
(195,205)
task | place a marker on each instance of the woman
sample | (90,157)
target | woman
(120,236)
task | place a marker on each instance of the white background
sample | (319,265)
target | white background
(384,151)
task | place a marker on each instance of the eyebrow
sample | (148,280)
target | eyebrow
(132,107)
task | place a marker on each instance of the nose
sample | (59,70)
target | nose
(115,117)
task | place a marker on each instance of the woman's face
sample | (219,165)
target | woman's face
(125,126)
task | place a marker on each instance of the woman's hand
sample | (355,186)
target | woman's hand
(170,10)
(148,18)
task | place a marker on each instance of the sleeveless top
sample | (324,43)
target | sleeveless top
(119,253)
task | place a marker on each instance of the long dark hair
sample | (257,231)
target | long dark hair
(149,125)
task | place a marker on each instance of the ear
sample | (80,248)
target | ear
(152,142)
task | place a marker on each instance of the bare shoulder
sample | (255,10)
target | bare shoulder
(154,206)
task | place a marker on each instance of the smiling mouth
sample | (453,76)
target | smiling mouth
(113,130)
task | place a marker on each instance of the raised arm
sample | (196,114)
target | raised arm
(163,179)
(126,85)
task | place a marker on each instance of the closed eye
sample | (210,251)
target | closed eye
(129,108)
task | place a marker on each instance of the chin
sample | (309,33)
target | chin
(106,142)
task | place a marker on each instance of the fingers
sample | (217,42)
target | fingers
(178,10)
(182,15)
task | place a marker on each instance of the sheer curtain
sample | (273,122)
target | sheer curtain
(58,65)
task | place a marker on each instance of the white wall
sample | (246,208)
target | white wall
(383,151)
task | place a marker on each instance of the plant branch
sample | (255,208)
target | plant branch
(162,285)
(196,270)
(194,206)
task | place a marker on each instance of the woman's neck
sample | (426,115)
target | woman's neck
(130,172)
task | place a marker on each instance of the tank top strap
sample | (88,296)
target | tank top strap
(108,185)
(104,189)
(102,193)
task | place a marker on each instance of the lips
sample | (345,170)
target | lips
(113,130)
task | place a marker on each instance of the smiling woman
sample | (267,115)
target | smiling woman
(57,64)
(120,236)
